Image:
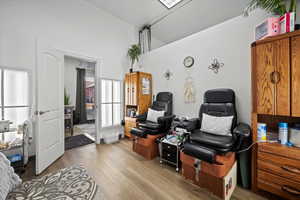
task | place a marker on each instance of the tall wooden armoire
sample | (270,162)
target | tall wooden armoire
(138,97)
(276,98)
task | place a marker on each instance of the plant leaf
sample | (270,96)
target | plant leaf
(277,7)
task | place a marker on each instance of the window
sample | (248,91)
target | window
(170,3)
(110,102)
(14,90)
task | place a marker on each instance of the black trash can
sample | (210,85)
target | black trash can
(244,163)
(244,169)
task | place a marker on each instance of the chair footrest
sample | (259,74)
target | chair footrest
(138,132)
(200,152)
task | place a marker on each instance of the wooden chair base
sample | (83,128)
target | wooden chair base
(146,147)
(221,187)
(217,170)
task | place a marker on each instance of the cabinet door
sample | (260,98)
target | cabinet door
(144,98)
(127,89)
(134,88)
(265,66)
(296,76)
(281,77)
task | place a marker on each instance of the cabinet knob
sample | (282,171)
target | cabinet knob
(272,77)
(275,77)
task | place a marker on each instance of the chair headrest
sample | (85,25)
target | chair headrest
(159,106)
(219,96)
(164,96)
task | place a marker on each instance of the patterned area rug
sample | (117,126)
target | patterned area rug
(67,184)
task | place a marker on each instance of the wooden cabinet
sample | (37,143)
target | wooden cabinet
(131,83)
(273,77)
(295,57)
(129,124)
(276,98)
(279,170)
(138,97)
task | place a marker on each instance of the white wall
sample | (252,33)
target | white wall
(69,25)
(156,43)
(229,42)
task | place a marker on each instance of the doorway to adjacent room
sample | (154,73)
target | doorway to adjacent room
(80,101)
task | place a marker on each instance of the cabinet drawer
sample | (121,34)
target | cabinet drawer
(170,148)
(280,166)
(278,185)
(172,157)
(292,153)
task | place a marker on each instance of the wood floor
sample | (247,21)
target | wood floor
(122,174)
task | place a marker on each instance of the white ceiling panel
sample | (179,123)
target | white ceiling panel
(181,20)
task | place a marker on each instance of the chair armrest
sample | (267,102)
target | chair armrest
(164,119)
(142,117)
(243,130)
(192,124)
(166,122)
(243,136)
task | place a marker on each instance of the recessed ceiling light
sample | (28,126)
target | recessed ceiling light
(170,3)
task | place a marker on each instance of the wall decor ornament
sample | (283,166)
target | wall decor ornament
(168,74)
(189,91)
(215,66)
(188,61)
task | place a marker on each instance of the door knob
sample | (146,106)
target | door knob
(43,112)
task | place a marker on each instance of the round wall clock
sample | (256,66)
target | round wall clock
(188,62)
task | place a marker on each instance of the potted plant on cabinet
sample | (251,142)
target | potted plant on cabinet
(133,53)
(276,7)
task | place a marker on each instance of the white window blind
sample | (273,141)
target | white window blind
(14,90)
(110,102)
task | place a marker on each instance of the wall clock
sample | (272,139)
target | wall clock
(188,62)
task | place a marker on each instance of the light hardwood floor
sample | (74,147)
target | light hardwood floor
(122,174)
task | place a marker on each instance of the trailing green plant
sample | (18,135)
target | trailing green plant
(133,53)
(67,98)
(276,7)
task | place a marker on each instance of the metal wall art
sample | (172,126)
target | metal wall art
(168,74)
(215,66)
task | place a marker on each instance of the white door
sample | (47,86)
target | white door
(50,106)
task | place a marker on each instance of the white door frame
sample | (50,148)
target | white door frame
(97,95)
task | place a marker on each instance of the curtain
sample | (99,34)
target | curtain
(145,39)
(80,111)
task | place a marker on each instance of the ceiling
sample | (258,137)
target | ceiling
(188,17)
